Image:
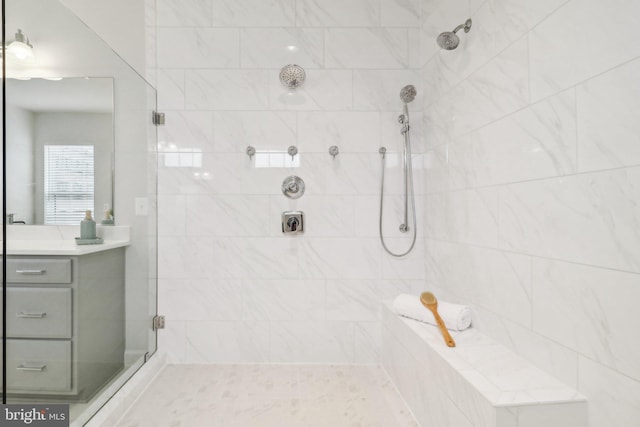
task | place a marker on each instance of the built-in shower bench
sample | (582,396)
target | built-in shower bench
(479,383)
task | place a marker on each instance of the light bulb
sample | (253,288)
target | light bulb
(20,50)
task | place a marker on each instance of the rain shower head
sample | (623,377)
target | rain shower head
(408,94)
(449,40)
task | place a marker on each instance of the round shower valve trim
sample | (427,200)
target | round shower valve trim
(293,187)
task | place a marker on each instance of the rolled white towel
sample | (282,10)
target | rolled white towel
(455,316)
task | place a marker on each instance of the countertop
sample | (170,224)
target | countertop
(59,247)
(60,240)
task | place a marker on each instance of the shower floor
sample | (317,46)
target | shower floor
(270,396)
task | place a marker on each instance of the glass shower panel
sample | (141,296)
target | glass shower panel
(4,217)
(79,311)
(152,224)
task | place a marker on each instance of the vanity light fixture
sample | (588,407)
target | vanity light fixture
(21,48)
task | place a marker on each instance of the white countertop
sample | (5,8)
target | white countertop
(59,247)
(60,240)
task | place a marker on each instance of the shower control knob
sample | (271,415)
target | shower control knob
(293,187)
(334,151)
(293,223)
(292,150)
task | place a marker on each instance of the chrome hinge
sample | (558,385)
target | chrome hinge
(158,322)
(157,118)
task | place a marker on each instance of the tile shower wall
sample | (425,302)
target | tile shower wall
(531,191)
(233,288)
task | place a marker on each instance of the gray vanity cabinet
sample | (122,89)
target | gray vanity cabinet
(65,323)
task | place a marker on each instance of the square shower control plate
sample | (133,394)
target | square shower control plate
(293,222)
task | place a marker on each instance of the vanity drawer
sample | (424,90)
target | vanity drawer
(38,270)
(38,366)
(39,312)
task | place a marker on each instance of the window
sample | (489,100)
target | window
(68,183)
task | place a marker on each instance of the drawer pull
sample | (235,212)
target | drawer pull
(23,315)
(31,368)
(31,272)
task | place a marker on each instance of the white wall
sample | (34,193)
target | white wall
(532,202)
(20,164)
(233,288)
(120,23)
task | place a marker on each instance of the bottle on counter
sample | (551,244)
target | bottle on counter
(87,227)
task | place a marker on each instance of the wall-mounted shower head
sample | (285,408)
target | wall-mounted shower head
(408,94)
(449,40)
(292,76)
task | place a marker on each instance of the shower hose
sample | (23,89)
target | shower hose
(408,184)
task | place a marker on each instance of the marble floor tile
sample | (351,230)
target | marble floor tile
(270,396)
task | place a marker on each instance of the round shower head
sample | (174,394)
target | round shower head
(292,76)
(449,40)
(408,94)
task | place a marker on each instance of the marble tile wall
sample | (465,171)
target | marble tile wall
(232,287)
(526,174)
(531,185)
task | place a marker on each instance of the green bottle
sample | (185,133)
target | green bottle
(87,227)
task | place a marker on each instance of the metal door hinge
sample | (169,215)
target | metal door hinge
(157,118)
(158,322)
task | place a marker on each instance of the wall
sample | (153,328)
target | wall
(532,201)
(22,179)
(120,23)
(233,288)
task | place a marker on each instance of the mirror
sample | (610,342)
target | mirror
(60,146)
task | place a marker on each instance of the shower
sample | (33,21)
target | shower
(449,40)
(407,95)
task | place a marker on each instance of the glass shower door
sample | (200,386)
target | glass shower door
(78,310)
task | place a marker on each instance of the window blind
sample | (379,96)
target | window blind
(68,183)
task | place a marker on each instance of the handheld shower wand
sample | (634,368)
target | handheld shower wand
(407,94)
